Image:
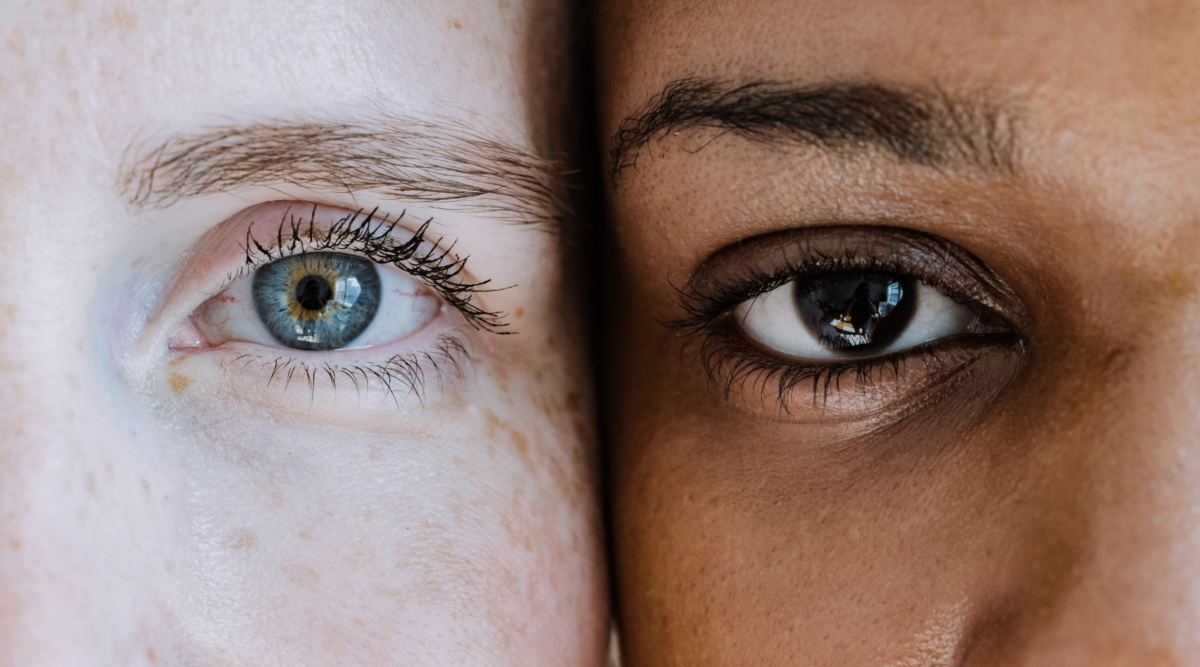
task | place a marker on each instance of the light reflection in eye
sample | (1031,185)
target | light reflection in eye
(834,316)
(319,301)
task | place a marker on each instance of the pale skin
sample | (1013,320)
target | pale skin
(170,497)
(1043,510)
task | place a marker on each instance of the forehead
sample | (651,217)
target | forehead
(1105,92)
(1116,48)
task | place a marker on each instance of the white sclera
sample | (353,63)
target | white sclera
(405,307)
(773,320)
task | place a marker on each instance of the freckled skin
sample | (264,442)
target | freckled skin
(1044,518)
(172,507)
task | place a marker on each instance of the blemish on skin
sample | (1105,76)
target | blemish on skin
(151,657)
(14,544)
(302,576)
(242,539)
(519,313)
(145,485)
(122,19)
(176,360)
(456,24)
(495,425)
(178,382)
(16,44)
(306,533)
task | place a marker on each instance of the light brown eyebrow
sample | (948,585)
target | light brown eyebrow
(430,161)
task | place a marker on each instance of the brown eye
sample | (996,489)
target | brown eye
(856,313)
(837,315)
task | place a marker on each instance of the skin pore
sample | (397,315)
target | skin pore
(1020,488)
(181,486)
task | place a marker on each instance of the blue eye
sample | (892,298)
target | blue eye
(316,301)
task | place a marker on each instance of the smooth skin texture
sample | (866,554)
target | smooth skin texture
(162,505)
(1043,512)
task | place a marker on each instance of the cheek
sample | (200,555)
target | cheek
(458,517)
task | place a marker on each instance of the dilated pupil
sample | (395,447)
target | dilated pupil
(313,292)
(861,308)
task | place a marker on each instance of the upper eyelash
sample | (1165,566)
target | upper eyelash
(732,362)
(706,304)
(371,236)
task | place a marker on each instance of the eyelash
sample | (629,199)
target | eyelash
(406,371)
(732,363)
(371,237)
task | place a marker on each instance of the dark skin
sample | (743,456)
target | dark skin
(1025,495)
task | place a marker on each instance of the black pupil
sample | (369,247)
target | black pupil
(857,314)
(313,292)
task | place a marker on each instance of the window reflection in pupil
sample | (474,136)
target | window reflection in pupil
(313,292)
(856,313)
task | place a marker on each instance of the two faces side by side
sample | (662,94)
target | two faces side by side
(894,348)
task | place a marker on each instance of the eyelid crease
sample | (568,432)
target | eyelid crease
(747,269)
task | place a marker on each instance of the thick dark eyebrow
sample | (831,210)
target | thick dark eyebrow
(412,160)
(921,126)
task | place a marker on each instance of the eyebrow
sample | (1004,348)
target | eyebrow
(420,160)
(921,126)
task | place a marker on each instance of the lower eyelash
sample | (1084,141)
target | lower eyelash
(410,373)
(735,365)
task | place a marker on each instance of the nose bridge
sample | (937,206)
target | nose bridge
(1134,597)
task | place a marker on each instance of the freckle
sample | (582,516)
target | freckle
(175,361)
(242,539)
(457,25)
(73,97)
(14,544)
(520,442)
(304,576)
(178,382)
(306,534)
(574,402)
(145,484)
(457,461)
(150,655)
(519,313)
(89,483)
(493,423)
(16,44)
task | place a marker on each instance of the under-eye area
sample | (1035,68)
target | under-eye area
(310,296)
(842,321)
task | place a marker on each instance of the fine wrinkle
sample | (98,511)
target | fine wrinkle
(412,160)
(925,127)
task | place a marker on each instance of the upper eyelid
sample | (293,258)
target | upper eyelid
(373,236)
(947,266)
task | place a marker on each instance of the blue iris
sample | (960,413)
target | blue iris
(317,301)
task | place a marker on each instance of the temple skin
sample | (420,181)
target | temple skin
(1045,512)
